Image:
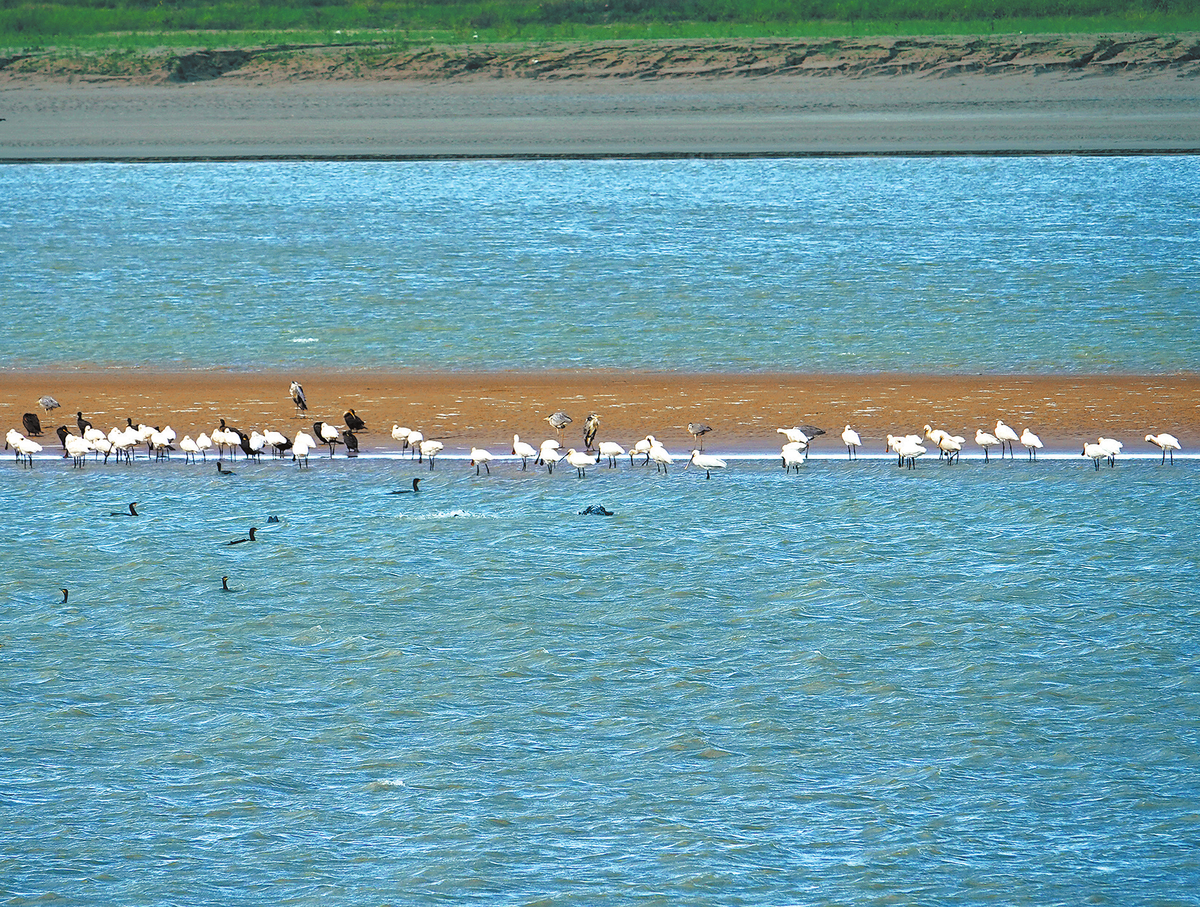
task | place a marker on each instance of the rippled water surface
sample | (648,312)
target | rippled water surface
(944,264)
(959,685)
(858,684)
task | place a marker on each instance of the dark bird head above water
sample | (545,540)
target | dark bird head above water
(413,490)
(253,529)
(66,593)
(132,511)
(221,470)
(225,584)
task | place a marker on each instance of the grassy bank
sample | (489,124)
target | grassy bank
(131,25)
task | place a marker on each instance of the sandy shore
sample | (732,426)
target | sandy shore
(465,410)
(995,95)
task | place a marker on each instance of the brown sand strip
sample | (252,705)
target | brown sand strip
(744,410)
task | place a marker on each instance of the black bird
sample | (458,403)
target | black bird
(33,425)
(412,490)
(222,471)
(83,423)
(65,593)
(698,430)
(225,583)
(132,511)
(63,433)
(327,434)
(353,422)
(590,427)
(298,397)
(253,529)
(351,443)
(595,510)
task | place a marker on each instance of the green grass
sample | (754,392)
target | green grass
(133,25)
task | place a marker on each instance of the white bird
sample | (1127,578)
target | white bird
(400,433)
(189,448)
(894,442)
(1006,436)
(986,440)
(794,435)
(524,450)
(1167,443)
(277,440)
(661,458)
(793,456)
(852,441)
(612,450)
(642,448)
(205,443)
(548,455)
(948,445)
(1097,452)
(429,450)
(414,443)
(257,442)
(481,457)
(77,449)
(26,448)
(329,434)
(1113,447)
(1031,442)
(580,461)
(160,443)
(909,450)
(301,446)
(704,461)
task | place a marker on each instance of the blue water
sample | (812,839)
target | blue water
(855,685)
(1011,265)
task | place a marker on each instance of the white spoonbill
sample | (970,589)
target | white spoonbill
(549,455)
(642,448)
(1006,436)
(986,440)
(189,448)
(612,450)
(909,450)
(429,450)
(1113,447)
(793,456)
(1097,452)
(1167,443)
(1031,442)
(704,461)
(661,458)
(481,457)
(794,436)
(301,447)
(580,461)
(524,450)
(414,443)
(852,441)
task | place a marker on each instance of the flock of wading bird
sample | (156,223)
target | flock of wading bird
(122,442)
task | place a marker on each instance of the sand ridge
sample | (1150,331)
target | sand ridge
(485,410)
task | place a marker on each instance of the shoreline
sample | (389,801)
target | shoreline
(1003,95)
(744,410)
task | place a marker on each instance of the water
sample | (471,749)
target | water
(858,684)
(1014,265)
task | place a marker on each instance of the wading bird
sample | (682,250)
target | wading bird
(852,441)
(706,462)
(1167,443)
(297,394)
(1031,442)
(558,421)
(698,430)
(590,426)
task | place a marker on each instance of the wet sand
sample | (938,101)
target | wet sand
(485,410)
